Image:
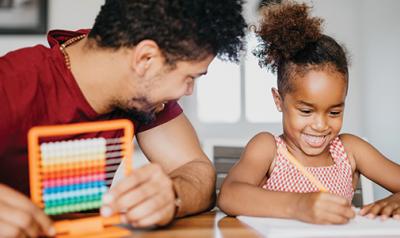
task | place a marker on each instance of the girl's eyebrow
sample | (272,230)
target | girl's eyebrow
(305,103)
(312,105)
(339,105)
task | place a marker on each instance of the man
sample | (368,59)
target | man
(137,60)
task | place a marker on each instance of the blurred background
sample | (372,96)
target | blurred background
(233,102)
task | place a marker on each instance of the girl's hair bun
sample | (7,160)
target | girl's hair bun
(285,29)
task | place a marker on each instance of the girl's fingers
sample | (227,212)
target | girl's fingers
(396,213)
(388,210)
(366,209)
(375,210)
(334,218)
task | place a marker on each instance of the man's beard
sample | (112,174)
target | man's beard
(140,116)
(144,116)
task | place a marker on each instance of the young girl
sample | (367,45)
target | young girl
(312,86)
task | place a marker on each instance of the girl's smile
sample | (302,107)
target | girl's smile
(313,111)
(315,141)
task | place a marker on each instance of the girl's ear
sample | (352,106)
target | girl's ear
(277,99)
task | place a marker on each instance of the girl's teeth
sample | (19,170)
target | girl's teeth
(314,140)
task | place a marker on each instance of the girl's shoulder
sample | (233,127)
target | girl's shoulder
(262,144)
(351,141)
(264,139)
(353,145)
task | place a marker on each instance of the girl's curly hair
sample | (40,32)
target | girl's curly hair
(292,43)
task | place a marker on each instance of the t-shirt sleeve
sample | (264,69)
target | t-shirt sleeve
(172,110)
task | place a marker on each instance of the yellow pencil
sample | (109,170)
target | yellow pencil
(301,168)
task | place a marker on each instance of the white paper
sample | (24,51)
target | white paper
(359,226)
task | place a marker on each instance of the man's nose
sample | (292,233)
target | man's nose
(189,90)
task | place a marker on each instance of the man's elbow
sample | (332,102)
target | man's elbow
(209,178)
(212,175)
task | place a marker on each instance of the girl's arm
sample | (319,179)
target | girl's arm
(375,166)
(241,193)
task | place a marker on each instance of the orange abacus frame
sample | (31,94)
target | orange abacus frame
(83,227)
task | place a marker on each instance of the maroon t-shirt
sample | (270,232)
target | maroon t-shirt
(36,88)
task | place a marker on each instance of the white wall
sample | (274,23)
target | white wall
(380,76)
(368,28)
(69,15)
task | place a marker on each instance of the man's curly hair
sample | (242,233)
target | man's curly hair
(183,29)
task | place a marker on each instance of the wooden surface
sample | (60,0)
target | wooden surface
(210,224)
(214,224)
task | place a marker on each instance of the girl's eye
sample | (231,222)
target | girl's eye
(305,111)
(335,113)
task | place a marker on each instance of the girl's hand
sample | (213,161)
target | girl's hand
(323,208)
(387,207)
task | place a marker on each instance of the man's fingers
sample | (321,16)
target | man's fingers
(8,230)
(134,197)
(21,221)
(29,217)
(37,216)
(161,217)
(146,183)
(133,180)
(143,194)
(148,207)
(45,222)
(14,198)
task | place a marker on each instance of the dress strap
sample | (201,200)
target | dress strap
(279,142)
(336,148)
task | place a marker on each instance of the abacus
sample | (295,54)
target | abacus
(69,174)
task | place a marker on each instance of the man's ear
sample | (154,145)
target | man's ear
(277,99)
(145,54)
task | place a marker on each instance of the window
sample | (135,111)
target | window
(220,93)
(259,104)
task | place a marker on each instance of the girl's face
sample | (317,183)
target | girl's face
(313,112)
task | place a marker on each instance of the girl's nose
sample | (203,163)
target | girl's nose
(320,123)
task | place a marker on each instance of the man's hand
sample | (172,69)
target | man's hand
(19,217)
(146,198)
(387,207)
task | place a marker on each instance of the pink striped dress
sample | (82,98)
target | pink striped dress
(337,178)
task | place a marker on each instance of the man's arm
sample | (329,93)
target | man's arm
(146,196)
(175,146)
